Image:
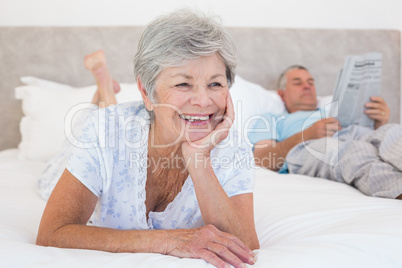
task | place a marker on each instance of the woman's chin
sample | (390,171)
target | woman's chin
(194,136)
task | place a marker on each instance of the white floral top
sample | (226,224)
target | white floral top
(113,166)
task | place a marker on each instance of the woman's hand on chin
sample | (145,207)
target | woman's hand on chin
(212,245)
(203,147)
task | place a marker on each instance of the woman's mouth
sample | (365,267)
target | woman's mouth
(201,119)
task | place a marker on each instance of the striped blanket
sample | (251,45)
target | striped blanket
(370,160)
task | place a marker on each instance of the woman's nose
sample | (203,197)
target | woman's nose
(200,97)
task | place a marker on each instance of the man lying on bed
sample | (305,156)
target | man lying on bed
(155,170)
(367,159)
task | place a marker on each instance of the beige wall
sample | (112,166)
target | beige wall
(355,14)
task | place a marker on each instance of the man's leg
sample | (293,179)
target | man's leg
(372,162)
(388,140)
(318,158)
(361,166)
(355,162)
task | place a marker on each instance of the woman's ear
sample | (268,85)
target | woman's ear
(144,94)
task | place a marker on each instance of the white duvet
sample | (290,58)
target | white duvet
(300,221)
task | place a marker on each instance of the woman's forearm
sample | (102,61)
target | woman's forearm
(67,211)
(105,239)
(218,209)
(205,242)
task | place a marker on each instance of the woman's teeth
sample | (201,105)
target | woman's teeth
(194,118)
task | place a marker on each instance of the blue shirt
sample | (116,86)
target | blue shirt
(279,127)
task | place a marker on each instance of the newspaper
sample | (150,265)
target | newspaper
(359,79)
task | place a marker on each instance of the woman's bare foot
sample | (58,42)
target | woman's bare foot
(107,87)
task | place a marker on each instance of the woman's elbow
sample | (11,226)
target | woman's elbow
(41,240)
(254,244)
(47,236)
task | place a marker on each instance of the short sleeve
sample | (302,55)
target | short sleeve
(263,127)
(86,161)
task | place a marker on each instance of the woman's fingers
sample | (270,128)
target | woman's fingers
(212,258)
(230,108)
(228,117)
(222,129)
(220,248)
(235,245)
(220,255)
(236,240)
(241,251)
(225,254)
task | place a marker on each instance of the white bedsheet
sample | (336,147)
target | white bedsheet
(300,221)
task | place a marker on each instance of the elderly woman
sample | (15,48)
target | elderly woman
(162,175)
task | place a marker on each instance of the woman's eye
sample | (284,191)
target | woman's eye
(183,85)
(216,85)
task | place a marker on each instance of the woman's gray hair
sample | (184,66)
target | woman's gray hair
(283,78)
(173,39)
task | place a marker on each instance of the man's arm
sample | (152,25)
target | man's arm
(272,154)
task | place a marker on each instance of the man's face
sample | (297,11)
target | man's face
(299,93)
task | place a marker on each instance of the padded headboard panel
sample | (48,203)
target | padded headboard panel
(56,53)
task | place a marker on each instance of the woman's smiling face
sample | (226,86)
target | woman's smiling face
(190,100)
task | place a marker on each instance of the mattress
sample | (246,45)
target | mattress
(300,222)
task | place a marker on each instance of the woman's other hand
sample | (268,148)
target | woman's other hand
(210,244)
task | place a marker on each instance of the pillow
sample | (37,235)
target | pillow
(251,100)
(325,103)
(35,81)
(45,105)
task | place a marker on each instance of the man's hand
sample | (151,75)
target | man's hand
(323,128)
(378,110)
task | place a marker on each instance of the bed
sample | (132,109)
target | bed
(301,221)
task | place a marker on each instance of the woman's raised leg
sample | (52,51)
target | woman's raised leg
(105,95)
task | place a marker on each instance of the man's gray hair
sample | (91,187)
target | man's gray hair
(283,78)
(173,39)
